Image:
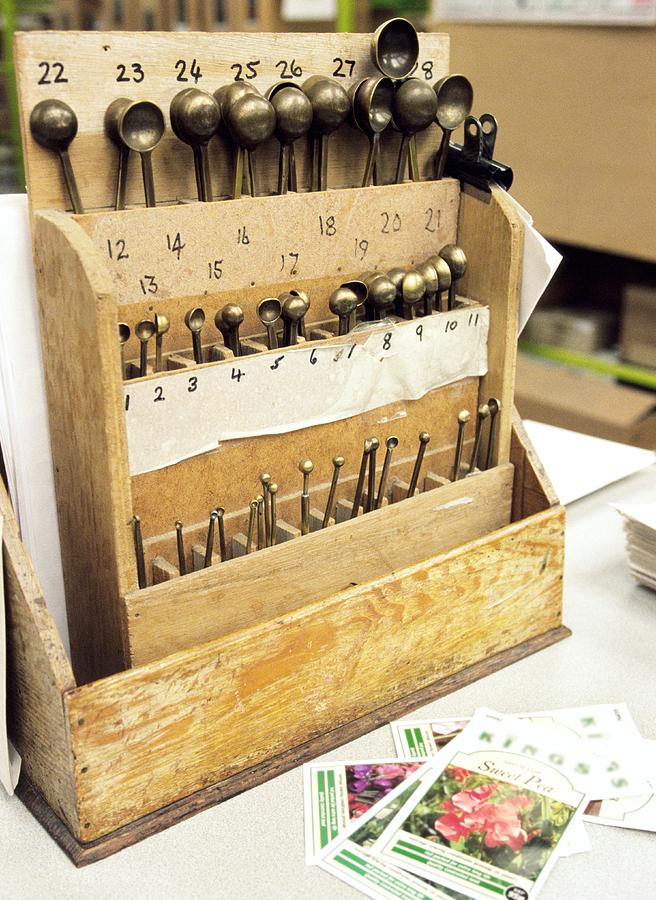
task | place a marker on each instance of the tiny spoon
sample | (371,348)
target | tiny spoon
(195,118)
(54,125)
(268,312)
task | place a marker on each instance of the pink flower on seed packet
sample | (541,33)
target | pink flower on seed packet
(451,827)
(468,801)
(460,774)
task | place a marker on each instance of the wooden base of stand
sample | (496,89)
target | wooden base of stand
(85,854)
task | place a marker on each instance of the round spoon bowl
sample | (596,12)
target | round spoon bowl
(112,115)
(372,104)
(145,330)
(195,116)
(251,120)
(162,323)
(343,302)
(293,113)
(228,94)
(232,315)
(293,308)
(456,260)
(123,332)
(330,103)
(395,48)
(382,292)
(269,310)
(53,124)
(455,97)
(414,106)
(413,287)
(141,126)
(359,288)
(429,274)
(195,319)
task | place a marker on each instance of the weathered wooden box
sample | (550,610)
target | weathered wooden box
(185,692)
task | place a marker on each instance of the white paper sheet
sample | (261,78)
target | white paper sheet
(299,387)
(24,415)
(539,263)
(10,761)
(579,464)
(573,12)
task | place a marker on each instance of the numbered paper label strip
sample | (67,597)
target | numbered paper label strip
(184,413)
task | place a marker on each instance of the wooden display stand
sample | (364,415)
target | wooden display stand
(188,691)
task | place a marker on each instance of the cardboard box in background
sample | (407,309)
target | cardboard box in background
(638,336)
(583,331)
(581,401)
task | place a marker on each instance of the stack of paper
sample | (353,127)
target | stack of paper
(640,533)
(478,807)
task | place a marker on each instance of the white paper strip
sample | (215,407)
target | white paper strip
(10,761)
(184,413)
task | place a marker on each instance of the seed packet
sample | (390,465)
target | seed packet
(629,812)
(609,725)
(502,796)
(349,858)
(335,793)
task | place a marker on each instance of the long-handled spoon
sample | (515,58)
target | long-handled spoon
(293,119)
(456,260)
(372,100)
(455,97)
(195,118)
(141,128)
(338,462)
(424,438)
(395,47)
(123,338)
(112,115)
(54,125)
(144,331)
(391,444)
(227,320)
(162,325)
(413,109)
(194,320)
(268,312)
(330,109)
(251,120)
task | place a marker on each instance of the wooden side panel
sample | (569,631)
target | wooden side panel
(492,236)
(87,433)
(38,673)
(149,736)
(259,587)
(532,490)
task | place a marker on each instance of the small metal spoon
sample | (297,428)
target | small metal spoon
(330,109)
(227,320)
(424,438)
(372,100)
(494,406)
(455,97)
(395,47)
(297,292)
(112,115)
(338,462)
(293,310)
(141,128)
(431,285)
(413,287)
(342,303)
(306,466)
(194,320)
(53,125)
(251,120)
(413,109)
(144,331)
(456,260)
(443,278)
(293,119)
(382,296)
(268,312)
(463,418)
(123,338)
(482,414)
(162,325)
(195,118)
(391,444)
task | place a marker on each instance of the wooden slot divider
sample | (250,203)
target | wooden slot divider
(263,585)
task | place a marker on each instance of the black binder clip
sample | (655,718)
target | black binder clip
(472,162)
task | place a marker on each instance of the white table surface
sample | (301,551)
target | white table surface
(252,846)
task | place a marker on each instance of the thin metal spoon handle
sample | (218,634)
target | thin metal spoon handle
(293,183)
(239,173)
(414,160)
(442,153)
(272,336)
(316,163)
(374,141)
(283,169)
(402,162)
(71,183)
(198,170)
(252,180)
(382,484)
(206,178)
(122,177)
(149,184)
(323,156)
